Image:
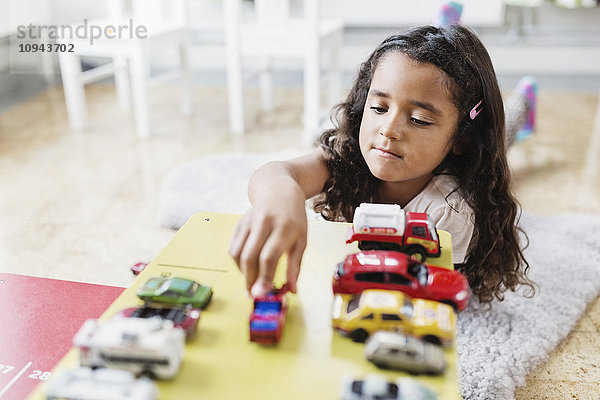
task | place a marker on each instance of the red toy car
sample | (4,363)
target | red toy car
(138,268)
(392,270)
(184,318)
(268,317)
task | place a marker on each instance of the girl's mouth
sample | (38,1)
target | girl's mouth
(385,153)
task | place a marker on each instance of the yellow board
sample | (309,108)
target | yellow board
(221,362)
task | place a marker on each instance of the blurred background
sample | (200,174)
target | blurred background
(101,100)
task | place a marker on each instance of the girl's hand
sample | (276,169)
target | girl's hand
(274,225)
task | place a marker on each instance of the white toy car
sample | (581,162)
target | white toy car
(397,350)
(83,383)
(377,387)
(151,347)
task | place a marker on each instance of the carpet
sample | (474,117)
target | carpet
(214,183)
(497,346)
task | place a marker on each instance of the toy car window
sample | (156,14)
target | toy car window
(357,387)
(193,289)
(432,230)
(142,312)
(340,269)
(370,316)
(177,316)
(392,391)
(353,304)
(390,317)
(398,279)
(419,271)
(261,325)
(419,231)
(422,277)
(407,308)
(376,277)
(163,288)
(411,354)
(267,307)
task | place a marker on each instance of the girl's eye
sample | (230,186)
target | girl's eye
(420,122)
(378,110)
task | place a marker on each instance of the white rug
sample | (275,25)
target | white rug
(215,183)
(497,348)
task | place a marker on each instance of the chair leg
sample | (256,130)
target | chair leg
(139,86)
(122,81)
(187,106)
(234,66)
(334,88)
(73,86)
(266,86)
(312,66)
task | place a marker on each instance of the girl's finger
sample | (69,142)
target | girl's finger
(249,258)
(269,256)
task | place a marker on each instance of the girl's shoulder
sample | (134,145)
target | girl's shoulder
(440,196)
(448,210)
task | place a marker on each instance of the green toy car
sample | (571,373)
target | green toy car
(175,291)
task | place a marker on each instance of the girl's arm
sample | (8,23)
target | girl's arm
(276,223)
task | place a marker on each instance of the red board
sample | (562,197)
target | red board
(38,319)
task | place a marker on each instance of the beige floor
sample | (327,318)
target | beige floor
(82,205)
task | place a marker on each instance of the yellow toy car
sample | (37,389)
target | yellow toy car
(360,315)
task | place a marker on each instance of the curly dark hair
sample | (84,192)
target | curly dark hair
(495,261)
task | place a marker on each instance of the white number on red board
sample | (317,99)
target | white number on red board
(5,369)
(41,375)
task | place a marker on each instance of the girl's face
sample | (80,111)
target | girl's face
(408,121)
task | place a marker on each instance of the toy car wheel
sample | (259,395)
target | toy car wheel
(148,374)
(382,365)
(418,253)
(432,339)
(433,372)
(359,335)
(452,304)
(367,245)
(207,301)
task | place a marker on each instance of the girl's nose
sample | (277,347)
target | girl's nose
(390,132)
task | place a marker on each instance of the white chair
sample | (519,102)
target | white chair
(129,51)
(274,32)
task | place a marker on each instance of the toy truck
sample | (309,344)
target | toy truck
(152,347)
(389,227)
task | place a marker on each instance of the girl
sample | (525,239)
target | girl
(422,127)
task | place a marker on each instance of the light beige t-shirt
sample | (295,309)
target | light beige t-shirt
(451,214)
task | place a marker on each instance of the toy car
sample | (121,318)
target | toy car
(378,269)
(399,351)
(360,315)
(377,387)
(388,227)
(83,383)
(268,316)
(177,291)
(152,347)
(182,317)
(137,269)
